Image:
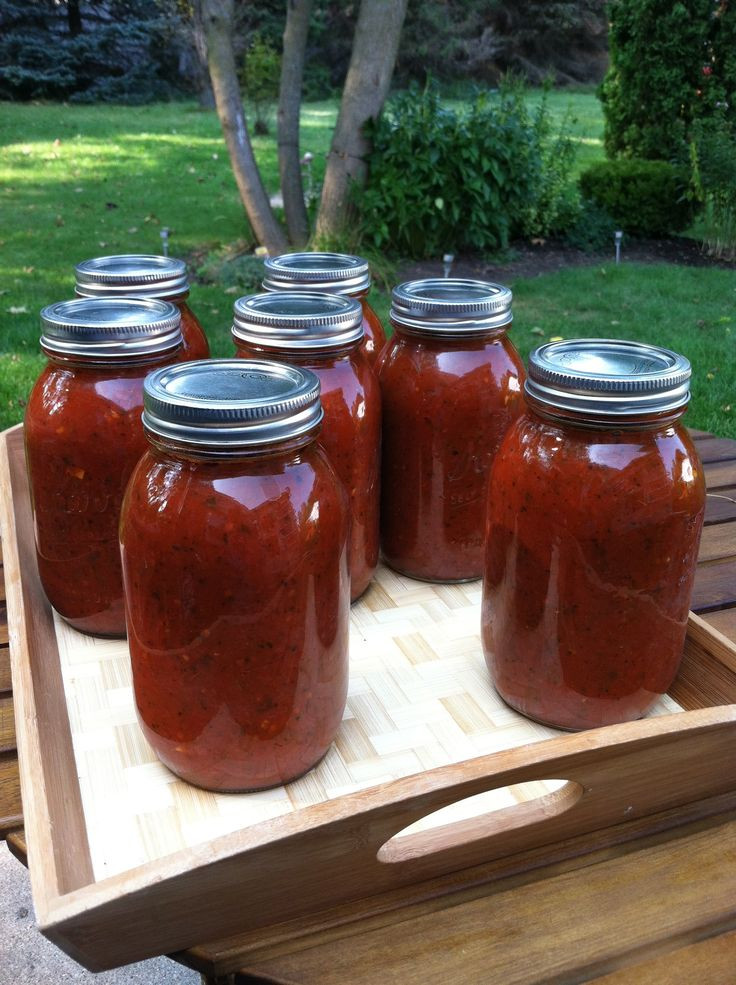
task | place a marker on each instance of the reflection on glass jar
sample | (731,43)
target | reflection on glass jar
(323,333)
(593,531)
(234,545)
(451,386)
(83,437)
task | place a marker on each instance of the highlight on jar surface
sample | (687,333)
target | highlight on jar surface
(594,521)
(145,276)
(234,544)
(451,387)
(323,332)
(333,273)
(83,437)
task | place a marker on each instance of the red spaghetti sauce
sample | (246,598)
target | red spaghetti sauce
(593,533)
(83,438)
(322,333)
(235,564)
(448,401)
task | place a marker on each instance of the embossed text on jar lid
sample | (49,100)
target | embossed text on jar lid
(608,377)
(132,275)
(292,321)
(231,404)
(450,306)
(110,328)
(336,273)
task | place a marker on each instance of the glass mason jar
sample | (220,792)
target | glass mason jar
(451,386)
(333,273)
(84,436)
(145,276)
(323,333)
(593,529)
(234,544)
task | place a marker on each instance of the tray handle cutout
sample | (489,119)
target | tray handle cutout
(481,816)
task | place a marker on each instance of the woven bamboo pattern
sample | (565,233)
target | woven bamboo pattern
(420,697)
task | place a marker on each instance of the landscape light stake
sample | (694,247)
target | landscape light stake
(306,163)
(447,261)
(618,236)
(164,234)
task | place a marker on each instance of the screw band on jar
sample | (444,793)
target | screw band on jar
(450,306)
(229,405)
(608,377)
(335,273)
(294,321)
(131,275)
(110,328)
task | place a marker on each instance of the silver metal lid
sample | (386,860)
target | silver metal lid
(110,328)
(231,404)
(336,273)
(132,275)
(450,306)
(608,377)
(298,322)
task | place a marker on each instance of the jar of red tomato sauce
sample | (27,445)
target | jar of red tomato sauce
(333,273)
(83,437)
(451,386)
(143,276)
(234,544)
(323,333)
(594,521)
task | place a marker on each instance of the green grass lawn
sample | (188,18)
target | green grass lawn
(82,181)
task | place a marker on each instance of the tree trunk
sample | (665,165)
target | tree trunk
(74,18)
(290,99)
(217,19)
(375,46)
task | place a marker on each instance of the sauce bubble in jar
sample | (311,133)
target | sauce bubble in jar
(234,544)
(451,386)
(83,437)
(145,276)
(594,522)
(323,333)
(333,273)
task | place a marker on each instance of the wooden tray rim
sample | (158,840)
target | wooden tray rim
(65,891)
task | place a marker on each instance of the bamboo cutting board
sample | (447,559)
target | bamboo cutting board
(127,862)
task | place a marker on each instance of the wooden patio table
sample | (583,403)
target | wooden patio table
(657,909)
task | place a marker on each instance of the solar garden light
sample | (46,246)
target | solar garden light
(618,236)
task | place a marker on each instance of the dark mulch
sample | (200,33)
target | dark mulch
(549,256)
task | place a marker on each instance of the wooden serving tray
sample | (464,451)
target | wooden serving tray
(127,861)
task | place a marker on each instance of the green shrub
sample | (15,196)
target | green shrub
(713,161)
(670,63)
(466,179)
(261,72)
(592,230)
(645,198)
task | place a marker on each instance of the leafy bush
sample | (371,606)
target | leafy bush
(670,64)
(645,198)
(593,229)
(713,160)
(261,73)
(443,179)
